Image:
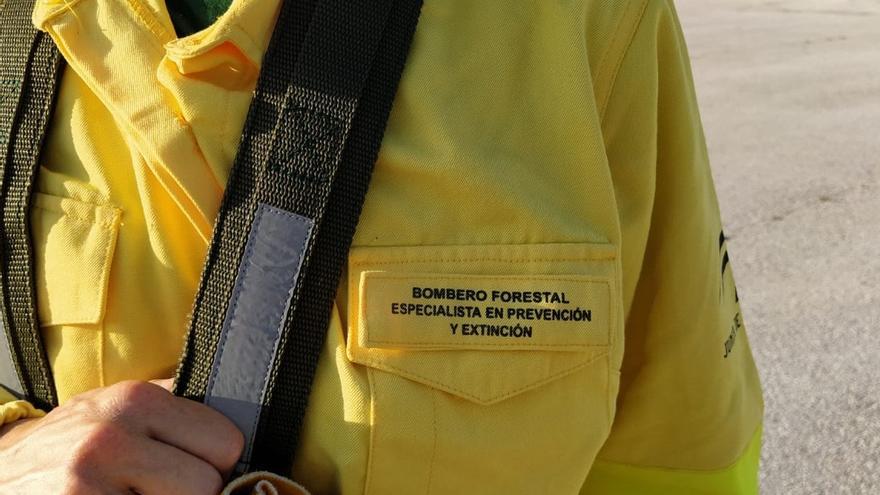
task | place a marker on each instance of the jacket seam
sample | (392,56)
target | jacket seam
(434,443)
(371,452)
(51,14)
(150,21)
(607,94)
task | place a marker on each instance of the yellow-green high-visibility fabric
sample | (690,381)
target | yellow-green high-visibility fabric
(538,298)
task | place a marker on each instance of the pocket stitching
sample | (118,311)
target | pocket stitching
(477,347)
(108,225)
(498,398)
(494,260)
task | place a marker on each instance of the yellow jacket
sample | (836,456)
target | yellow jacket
(547,150)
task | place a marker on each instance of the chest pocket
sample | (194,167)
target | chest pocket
(490,367)
(74,237)
(73,244)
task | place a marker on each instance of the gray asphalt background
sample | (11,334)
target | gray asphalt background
(790,97)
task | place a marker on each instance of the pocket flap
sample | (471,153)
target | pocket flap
(73,248)
(482,322)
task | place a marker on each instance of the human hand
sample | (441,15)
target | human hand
(131,437)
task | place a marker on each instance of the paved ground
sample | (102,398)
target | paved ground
(790,95)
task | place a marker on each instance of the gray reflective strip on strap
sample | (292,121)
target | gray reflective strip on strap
(9,378)
(260,301)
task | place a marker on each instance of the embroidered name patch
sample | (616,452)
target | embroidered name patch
(439,311)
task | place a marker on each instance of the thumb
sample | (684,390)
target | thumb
(166,383)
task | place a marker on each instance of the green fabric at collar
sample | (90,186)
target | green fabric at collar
(190,16)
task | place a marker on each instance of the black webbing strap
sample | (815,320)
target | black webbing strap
(289,214)
(29,72)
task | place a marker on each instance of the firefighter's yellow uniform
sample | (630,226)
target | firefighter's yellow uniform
(549,151)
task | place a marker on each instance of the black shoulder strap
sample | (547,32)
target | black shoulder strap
(289,214)
(29,72)
(285,226)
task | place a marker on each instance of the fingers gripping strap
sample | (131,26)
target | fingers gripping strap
(289,213)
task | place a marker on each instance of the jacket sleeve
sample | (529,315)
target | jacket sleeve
(689,408)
